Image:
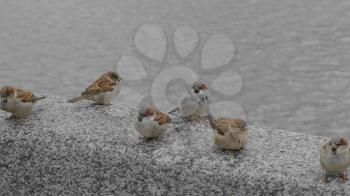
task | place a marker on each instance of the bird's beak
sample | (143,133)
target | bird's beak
(334,148)
(343,141)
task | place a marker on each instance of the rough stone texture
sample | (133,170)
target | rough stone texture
(76,149)
(292,55)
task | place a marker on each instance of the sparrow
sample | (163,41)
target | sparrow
(103,90)
(229,134)
(335,158)
(151,123)
(194,103)
(17,101)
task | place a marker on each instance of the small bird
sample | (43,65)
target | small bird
(151,123)
(229,134)
(103,90)
(194,103)
(335,158)
(17,101)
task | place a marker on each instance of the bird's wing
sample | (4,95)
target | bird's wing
(226,125)
(161,118)
(222,125)
(26,96)
(238,123)
(188,104)
(235,123)
(104,84)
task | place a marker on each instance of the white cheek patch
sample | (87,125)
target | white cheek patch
(347,147)
(148,118)
(3,100)
(204,92)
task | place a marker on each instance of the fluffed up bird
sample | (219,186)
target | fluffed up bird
(17,101)
(103,90)
(229,134)
(151,123)
(335,158)
(194,103)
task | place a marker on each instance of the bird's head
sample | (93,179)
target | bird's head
(199,87)
(147,111)
(114,76)
(6,93)
(338,145)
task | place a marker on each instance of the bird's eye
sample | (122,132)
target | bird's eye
(196,90)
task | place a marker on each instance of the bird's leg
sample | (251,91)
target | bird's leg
(202,118)
(12,117)
(195,119)
(344,176)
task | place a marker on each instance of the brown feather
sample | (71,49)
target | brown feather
(24,96)
(27,96)
(6,91)
(222,124)
(212,121)
(108,82)
(104,84)
(161,118)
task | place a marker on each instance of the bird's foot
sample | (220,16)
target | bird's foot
(344,177)
(12,117)
(196,119)
(242,149)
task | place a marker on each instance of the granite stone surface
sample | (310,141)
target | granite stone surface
(84,149)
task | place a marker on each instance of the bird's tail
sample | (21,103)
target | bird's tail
(76,99)
(40,98)
(212,121)
(174,110)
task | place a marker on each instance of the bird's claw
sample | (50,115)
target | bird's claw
(196,120)
(12,117)
(344,177)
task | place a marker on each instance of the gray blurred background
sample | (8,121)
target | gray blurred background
(292,55)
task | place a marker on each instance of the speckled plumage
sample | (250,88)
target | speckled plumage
(103,90)
(151,123)
(17,101)
(79,149)
(335,158)
(194,104)
(229,134)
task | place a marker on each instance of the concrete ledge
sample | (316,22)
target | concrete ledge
(84,149)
